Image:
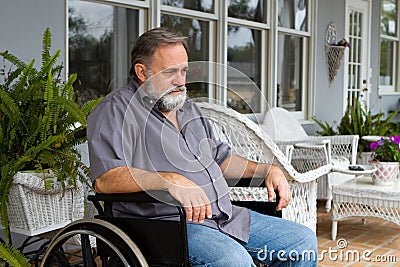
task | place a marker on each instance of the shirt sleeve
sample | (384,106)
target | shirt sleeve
(105,138)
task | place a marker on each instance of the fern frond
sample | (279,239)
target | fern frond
(49,110)
(13,256)
(46,44)
(9,108)
(90,105)
(73,110)
(68,89)
(13,60)
(49,65)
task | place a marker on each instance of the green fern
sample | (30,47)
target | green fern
(12,256)
(38,117)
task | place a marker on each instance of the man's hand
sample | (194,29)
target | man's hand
(190,195)
(276,180)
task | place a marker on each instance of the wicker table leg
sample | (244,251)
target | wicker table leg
(334,229)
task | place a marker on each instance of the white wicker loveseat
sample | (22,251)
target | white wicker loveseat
(248,140)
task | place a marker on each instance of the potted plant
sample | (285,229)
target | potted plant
(358,120)
(38,118)
(385,157)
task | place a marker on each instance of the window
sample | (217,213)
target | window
(258,60)
(198,32)
(389,48)
(244,55)
(292,54)
(199,5)
(100,37)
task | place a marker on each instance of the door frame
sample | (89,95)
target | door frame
(363,6)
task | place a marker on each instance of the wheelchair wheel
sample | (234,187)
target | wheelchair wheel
(99,244)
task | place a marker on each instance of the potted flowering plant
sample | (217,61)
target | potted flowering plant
(386,157)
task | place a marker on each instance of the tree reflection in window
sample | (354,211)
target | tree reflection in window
(199,5)
(254,10)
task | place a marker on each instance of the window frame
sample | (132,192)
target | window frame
(150,11)
(393,89)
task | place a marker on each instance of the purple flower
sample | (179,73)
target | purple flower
(386,149)
(373,145)
(396,139)
(381,142)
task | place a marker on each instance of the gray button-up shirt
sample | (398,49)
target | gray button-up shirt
(127,129)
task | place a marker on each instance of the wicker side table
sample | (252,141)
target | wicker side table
(360,198)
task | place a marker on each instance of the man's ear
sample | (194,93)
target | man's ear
(140,70)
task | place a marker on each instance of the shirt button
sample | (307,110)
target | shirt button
(221,208)
(213,179)
(151,101)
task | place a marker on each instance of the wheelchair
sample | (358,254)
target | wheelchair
(107,240)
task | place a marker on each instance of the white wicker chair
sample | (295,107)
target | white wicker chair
(248,140)
(284,129)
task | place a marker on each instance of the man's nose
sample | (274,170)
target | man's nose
(180,79)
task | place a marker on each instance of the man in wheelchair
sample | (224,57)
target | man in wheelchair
(149,135)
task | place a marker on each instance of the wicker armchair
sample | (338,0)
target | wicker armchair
(341,150)
(248,140)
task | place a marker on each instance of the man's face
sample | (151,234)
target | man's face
(167,74)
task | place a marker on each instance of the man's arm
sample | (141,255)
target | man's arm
(239,167)
(124,180)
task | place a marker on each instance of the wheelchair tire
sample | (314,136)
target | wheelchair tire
(120,249)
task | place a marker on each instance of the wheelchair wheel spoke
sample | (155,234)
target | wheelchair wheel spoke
(88,259)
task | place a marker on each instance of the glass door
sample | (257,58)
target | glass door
(357,84)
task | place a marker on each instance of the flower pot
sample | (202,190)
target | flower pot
(386,173)
(34,209)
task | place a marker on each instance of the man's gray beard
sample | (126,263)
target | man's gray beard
(164,101)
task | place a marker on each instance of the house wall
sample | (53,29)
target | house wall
(23,22)
(329,99)
(328,11)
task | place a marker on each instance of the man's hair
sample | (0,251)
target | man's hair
(147,44)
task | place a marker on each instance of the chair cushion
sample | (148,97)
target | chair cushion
(340,161)
(280,125)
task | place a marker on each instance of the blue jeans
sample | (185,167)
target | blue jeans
(273,241)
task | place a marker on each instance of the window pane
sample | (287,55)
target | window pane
(199,39)
(199,5)
(389,17)
(254,10)
(244,55)
(386,68)
(292,66)
(92,54)
(293,14)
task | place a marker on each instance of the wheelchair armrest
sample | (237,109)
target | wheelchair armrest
(268,208)
(152,196)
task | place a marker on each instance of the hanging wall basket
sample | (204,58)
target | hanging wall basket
(334,52)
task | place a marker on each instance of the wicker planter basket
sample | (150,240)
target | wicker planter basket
(34,210)
(386,173)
